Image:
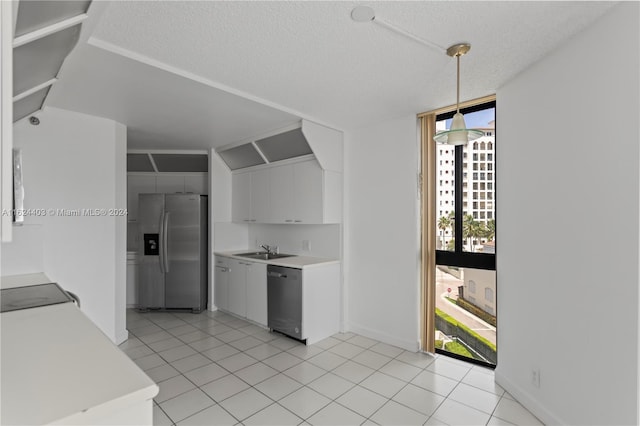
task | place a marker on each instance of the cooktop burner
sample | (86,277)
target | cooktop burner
(33,296)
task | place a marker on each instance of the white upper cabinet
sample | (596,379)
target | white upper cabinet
(294,193)
(260,196)
(308,185)
(281,186)
(170,184)
(250,197)
(241,197)
(197,184)
(138,185)
(163,184)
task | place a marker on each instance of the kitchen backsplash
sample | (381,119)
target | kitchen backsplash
(304,240)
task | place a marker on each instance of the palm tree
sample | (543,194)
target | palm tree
(444,223)
(491,230)
(471,229)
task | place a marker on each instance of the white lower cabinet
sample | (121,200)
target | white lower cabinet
(320,302)
(221,283)
(257,292)
(242,288)
(238,287)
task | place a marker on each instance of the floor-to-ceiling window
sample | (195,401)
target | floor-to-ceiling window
(459,237)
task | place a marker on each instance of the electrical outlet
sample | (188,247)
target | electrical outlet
(306,245)
(535,377)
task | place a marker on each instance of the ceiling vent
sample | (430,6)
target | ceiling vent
(46,32)
(167,163)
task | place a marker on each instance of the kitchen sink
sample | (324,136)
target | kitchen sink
(263,255)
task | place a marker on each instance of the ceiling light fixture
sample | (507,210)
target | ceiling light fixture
(458,134)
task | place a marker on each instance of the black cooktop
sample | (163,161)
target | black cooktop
(33,296)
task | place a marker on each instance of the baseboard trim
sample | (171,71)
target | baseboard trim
(409,345)
(122,336)
(528,401)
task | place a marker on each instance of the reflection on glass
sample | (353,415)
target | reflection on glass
(466,312)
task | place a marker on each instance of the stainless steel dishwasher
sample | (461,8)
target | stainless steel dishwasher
(284,300)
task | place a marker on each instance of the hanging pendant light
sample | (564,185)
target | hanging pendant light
(458,134)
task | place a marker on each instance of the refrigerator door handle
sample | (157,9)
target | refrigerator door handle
(165,241)
(161,239)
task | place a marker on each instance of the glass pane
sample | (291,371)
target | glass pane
(465,312)
(139,163)
(241,156)
(39,61)
(478,196)
(34,15)
(479,226)
(284,145)
(29,104)
(181,162)
(445,196)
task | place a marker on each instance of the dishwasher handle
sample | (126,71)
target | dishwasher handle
(277,274)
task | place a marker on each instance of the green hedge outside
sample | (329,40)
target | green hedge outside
(455,323)
(485,316)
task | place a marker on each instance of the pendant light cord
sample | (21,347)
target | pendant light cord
(458,85)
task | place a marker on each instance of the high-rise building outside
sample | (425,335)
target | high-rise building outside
(478,185)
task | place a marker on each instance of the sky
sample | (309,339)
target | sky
(477,119)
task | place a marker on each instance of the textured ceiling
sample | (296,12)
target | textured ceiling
(308,58)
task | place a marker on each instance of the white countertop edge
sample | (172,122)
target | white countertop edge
(295,261)
(11,281)
(106,409)
(30,363)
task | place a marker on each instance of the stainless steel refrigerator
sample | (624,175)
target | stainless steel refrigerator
(173,269)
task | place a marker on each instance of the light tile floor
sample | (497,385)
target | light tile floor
(215,369)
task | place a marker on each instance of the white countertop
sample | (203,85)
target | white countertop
(299,262)
(57,364)
(11,281)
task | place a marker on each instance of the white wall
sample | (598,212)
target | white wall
(120,249)
(381,232)
(76,161)
(567,253)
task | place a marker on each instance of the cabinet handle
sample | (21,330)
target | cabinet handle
(246,220)
(297,221)
(289,220)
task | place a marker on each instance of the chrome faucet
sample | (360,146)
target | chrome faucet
(269,249)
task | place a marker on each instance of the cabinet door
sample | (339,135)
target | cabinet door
(138,185)
(221,283)
(196,184)
(237,294)
(257,292)
(307,192)
(281,187)
(260,196)
(241,197)
(170,184)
